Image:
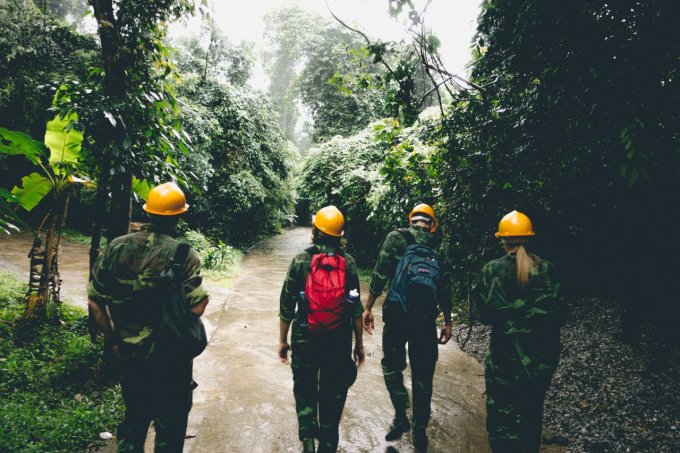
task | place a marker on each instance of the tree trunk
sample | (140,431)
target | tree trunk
(121,205)
(36,304)
(116,86)
(100,209)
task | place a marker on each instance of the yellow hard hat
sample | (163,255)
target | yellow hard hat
(515,224)
(426,209)
(166,199)
(329,220)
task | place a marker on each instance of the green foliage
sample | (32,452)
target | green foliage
(33,189)
(342,172)
(210,54)
(60,169)
(64,141)
(9,221)
(219,256)
(573,121)
(20,144)
(38,50)
(313,60)
(49,396)
(336,109)
(374,177)
(244,159)
(78,237)
(578,127)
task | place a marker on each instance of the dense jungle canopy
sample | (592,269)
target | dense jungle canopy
(569,114)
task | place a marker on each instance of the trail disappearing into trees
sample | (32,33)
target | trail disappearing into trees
(244,401)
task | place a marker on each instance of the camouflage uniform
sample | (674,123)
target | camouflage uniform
(399,329)
(323,369)
(523,351)
(153,389)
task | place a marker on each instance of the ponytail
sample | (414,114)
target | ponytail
(524,266)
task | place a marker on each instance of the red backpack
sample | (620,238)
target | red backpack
(325,291)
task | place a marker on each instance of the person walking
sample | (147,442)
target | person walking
(323,284)
(127,296)
(518,296)
(409,314)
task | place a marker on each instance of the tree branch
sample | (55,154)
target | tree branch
(368,41)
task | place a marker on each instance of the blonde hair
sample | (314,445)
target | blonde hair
(525,264)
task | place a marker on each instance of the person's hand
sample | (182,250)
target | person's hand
(445,335)
(283,352)
(367,318)
(359,355)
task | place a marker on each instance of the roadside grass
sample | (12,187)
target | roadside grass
(365,274)
(219,262)
(79,238)
(51,396)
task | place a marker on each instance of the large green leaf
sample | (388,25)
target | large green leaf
(141,188)
(33,189)
(65,145)
(21,144)
(8,218)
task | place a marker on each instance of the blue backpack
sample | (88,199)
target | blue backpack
(415,281)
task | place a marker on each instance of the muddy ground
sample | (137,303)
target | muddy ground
(244,402)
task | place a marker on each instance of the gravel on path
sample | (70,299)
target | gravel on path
(606,395)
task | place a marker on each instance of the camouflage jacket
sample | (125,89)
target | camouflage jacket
(525,335)
(123,279)
(297,277)
(391,252)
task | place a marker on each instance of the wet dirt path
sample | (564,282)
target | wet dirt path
(244,402)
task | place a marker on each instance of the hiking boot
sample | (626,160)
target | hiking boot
(308,445)
(399,426)
(420,440)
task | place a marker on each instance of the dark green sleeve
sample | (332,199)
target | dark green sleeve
(100,287)
(292,285)
(480,293)
(193,288)
(384,266)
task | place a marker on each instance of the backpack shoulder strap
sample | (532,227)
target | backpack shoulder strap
(179,258)
(406,234)
(313,250)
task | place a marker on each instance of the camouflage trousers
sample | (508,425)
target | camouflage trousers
(514,414)
(158,392)
(323,372)
(422,352)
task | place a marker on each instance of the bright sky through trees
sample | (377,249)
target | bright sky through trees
(453,21)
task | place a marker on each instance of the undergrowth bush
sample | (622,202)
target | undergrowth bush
(51,396)
(374,177)
(218,260)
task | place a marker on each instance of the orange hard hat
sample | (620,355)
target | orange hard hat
(329,220)
(515,224)
(166,199)
(427,210)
